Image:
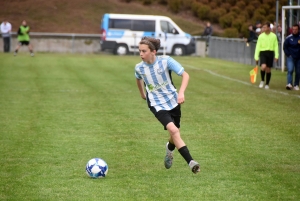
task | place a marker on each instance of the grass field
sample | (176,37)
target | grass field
(59,111)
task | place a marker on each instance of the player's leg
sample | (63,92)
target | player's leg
(182,148)
(269,62)
(290,70)
(297,74)
(30,48)
(263,65)
(268,77)
(18,47)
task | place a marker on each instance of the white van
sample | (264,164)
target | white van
(122,33)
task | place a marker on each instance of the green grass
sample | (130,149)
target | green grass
(59,111)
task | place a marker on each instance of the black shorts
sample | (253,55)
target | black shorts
(24,42)
(165,117)
(267,57)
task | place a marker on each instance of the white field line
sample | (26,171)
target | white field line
(236,80)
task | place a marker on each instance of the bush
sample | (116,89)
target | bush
(231,2)
(258,17)
(195,6)
(231,33)
(238,23)
(187,4)
(249,9)
(244,30)
(174,5)
(216,14)
(235,10)
(241,4)
(271,18)
(163,2)
(203,12)
(226,20)
(227,6)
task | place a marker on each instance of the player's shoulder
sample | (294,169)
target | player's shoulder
(163,57)
(138,65)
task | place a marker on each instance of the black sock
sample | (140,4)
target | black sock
(262,74)
(268,78)
(30,51)
(184,151)
(171,146)
(16,51)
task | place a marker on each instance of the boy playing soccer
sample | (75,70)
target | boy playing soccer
(163,100)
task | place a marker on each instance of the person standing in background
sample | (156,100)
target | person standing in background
(266,50)
(291,47)
(23,38)
(5,30)
(207,33)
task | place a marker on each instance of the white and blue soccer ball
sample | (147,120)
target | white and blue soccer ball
(96,168)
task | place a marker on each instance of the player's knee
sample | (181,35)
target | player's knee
(173,130)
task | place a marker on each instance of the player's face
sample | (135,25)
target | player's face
(146,54)
(295,30)
(265,28)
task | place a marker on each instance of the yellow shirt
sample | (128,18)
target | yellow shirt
(266,42)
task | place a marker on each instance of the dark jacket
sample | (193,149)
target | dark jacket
(291,46)
(252,37)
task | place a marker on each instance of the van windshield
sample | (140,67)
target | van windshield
(167,27)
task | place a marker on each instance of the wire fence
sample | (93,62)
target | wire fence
(231,49)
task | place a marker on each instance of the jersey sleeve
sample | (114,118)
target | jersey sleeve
(276,49)
(173,65)
(137,75)
(257,49)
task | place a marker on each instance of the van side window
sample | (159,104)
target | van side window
(119,24)
(168,27)
(134,25)
(143,25)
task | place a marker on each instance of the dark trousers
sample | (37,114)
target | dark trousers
(6,44)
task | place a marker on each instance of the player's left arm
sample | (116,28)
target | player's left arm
(184,83)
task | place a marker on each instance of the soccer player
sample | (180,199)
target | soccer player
(154,73)
(23,38)
(266,49)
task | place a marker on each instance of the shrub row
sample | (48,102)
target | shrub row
(233,16)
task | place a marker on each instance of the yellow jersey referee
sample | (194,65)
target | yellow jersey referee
(266,50)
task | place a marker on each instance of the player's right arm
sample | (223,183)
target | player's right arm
(140,84)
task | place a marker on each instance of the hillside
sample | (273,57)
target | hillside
(83,16)
(229,17)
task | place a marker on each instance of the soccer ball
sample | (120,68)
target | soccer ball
(96,168)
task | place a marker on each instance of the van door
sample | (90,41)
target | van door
(169,36)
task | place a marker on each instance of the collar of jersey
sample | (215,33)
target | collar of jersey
(152,63)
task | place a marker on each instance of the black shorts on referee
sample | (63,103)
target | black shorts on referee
(266,57)
(165,117)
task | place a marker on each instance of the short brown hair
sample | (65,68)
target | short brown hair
(153,43)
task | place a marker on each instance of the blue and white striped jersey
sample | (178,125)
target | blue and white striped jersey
(161,93)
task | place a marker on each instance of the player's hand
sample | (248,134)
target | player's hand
(180,98)
(143,96)
(256,61)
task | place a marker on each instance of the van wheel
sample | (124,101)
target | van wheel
(178,50)
(121,49)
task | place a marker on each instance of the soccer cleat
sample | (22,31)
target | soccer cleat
(261,84)
(296,88)
(195,166)
(168,158)
(15,54)
(289,87)
(267,87)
